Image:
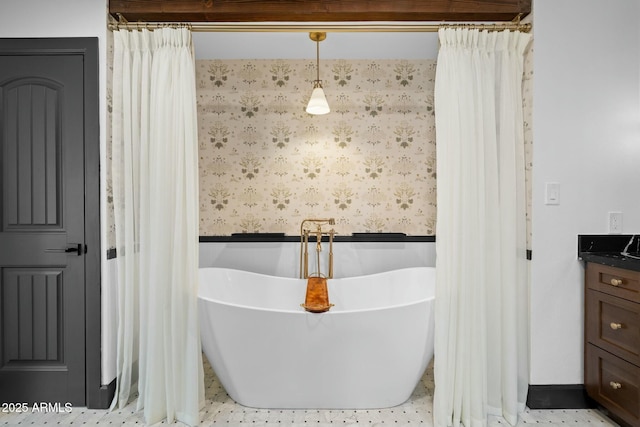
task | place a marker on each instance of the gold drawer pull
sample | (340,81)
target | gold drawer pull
(616,282)
(615,385)
(615,326)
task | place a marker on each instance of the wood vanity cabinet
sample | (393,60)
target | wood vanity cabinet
(612,340)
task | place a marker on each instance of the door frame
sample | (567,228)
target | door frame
(87,47)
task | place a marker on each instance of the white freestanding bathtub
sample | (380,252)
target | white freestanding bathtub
(369,351)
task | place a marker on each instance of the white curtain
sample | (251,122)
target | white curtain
(155,188)
(482,330)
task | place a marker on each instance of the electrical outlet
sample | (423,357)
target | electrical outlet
(615,222)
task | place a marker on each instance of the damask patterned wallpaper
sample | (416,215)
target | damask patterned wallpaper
(265,164)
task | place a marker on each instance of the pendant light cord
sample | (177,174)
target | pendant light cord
(318,60)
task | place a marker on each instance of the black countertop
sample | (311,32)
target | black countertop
(608,249)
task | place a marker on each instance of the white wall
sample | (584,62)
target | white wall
(586,129)
(298,45)
(282,259)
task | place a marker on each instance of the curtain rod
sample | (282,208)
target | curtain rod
(297,27)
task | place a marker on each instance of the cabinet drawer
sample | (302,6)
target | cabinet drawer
(613,383)
(613,324)
(614,281)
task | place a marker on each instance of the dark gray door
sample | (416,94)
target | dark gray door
(42,238)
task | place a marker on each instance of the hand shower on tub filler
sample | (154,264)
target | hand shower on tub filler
(317,295)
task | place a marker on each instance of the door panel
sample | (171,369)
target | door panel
(32,300)
(32,152)
(42,289)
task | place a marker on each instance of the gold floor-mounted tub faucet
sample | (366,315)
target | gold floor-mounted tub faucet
(317,296)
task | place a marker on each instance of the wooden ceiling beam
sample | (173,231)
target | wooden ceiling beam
(318,10)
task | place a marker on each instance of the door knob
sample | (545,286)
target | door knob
(78,248)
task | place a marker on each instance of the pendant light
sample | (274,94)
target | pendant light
(318,102)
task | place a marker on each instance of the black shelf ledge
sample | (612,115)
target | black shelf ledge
(261,236)
(281,237)
(379,237)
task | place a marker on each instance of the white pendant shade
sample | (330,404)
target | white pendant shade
(318,102)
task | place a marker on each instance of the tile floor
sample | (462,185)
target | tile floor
(221,410)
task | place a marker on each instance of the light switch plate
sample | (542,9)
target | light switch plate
(552,193)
